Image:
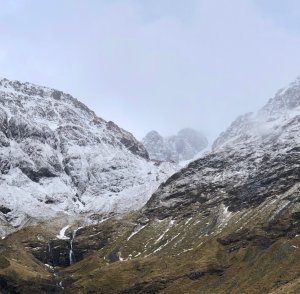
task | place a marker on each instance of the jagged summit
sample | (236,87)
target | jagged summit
(156,146)
(268,122)
(29,94)
(181,147)
(284,103)
(58,156)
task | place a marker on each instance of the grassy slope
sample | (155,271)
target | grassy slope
(247,252)
(192,259)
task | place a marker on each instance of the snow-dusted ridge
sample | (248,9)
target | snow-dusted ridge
(267,122)
(57,157)
(255,159)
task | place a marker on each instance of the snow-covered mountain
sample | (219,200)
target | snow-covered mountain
(181,147)
(256,160)
(279,116)
(229,222)
(57,156)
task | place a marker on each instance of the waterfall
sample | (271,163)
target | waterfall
(71,253)
(49,257)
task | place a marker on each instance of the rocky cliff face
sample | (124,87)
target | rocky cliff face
(181,147)
(57,156)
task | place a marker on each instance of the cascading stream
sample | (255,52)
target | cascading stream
(71,253)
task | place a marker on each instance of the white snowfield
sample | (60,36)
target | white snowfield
(57,157)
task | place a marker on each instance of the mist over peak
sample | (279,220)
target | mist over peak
(180,147)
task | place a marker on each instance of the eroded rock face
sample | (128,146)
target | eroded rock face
(128,140)
(57,156)
(56,252)
(181,147)
(74,247)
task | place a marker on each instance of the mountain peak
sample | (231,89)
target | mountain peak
(153,134)
(253,162)
(183,146)
(59,157)
(268,122)
(284,103)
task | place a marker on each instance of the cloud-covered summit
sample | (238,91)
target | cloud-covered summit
(181,147)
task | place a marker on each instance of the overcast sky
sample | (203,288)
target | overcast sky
(155,64)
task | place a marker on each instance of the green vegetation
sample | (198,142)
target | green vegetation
(252,251)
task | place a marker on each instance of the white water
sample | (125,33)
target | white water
(71,253)
(71,247)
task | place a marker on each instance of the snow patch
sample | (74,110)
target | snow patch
(62,232)
(136,230)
